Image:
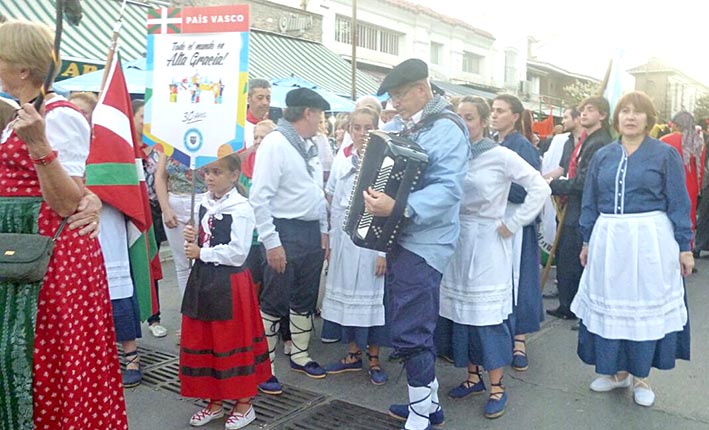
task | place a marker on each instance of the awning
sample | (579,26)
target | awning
(271,56)
(88,43)
(274,56)
(456,90)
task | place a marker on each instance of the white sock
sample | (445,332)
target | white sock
(300,328)
(419,407)
(270,329)
(435,405)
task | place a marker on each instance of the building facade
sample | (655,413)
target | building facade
(670,89)
(389,31)
(545,87)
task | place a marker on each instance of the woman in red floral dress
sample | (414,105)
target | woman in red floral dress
(58,362)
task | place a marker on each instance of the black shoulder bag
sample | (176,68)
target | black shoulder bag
(24,258)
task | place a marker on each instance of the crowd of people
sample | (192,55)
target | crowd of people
(263,251)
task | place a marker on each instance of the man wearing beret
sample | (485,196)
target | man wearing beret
(291,218)
(427,241)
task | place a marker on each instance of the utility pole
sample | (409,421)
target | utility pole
(354,40)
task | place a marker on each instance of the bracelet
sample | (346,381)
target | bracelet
(45,159)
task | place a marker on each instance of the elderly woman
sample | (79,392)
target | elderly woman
(62,352)
(636,232)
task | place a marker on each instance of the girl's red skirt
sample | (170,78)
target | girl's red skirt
(226,359)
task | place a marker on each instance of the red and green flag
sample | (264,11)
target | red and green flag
(114,172)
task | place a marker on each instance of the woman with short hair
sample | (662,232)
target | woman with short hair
(636,231)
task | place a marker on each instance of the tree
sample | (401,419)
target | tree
(579,90)
(701,111)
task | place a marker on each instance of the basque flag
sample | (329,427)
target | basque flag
(114,172)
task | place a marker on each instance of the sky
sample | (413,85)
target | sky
(582,36)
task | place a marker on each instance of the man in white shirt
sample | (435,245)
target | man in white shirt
(291,218)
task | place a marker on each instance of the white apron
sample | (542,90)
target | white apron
(476,288)
(516,250)
(113,238)
(632,286)
(354,296)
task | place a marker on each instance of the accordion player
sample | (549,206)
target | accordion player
(391,164)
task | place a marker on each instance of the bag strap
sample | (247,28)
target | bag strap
(59,230)
(429,120)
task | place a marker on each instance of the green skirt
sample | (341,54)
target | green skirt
(18,312)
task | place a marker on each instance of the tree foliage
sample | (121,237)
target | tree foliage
(701,110)
(579,90)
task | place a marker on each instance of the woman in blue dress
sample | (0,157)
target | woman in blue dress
(636,231)
(506,119)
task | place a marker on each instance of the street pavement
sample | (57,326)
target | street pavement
(552,394)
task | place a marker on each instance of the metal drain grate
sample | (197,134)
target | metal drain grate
(270,409)
(149,357)
(295,409)
(339,415)
(165,376)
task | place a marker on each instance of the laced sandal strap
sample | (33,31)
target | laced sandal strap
(477,372)
(214,403)
(411,405)
(641,382)
(371,357)
(132,358)
(497,395)
(296,330)
(517,351)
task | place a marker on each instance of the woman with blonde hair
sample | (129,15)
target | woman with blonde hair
(59,366)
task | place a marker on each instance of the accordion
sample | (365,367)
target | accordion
(392,164)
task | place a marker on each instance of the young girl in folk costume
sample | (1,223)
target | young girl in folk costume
(223,352)
(353,307)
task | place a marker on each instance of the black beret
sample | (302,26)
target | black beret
(410,70)
(305,97)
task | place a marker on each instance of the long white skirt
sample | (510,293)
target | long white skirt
(632,286)
(354,296)
(476,288)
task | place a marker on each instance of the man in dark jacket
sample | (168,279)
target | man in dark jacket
(595,112)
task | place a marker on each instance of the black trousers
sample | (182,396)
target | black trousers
(568,265)
(296,288)
(701,236)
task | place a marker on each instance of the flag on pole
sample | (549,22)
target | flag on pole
(618,79)
(545,127)
(114,172)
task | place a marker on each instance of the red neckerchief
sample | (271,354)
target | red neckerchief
(247,168)
(575,155)
(348,150)
(253,119)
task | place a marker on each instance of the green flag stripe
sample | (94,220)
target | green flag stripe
(140,268)
(111,174)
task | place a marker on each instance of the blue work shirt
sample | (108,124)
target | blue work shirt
(650,179)
(434,225)
(519,144)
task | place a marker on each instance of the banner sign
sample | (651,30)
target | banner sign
(72,68)
(197,62)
